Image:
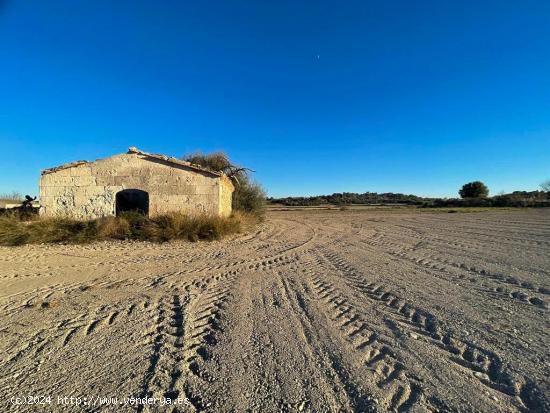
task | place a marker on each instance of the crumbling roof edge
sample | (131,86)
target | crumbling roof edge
(64,166)
(172,160)
(135,150)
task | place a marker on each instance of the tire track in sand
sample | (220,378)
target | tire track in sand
(485,365)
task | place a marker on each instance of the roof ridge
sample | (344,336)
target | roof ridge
(134,150)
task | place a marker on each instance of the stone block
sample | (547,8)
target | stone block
(105,180)
(45,201)
(46,179)
(81,170)
(59,180)
(94,190)
(84,180)
(179,199)
(52,190)
(167,190)
(121,180)
(112,190)
(81,199)
(185,189)
(159,180)
(205,189)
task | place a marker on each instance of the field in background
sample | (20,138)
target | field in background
(388,208)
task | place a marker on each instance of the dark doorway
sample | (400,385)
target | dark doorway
(132,200)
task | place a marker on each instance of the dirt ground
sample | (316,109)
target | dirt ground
(316,311)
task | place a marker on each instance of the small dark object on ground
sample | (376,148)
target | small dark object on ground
(49,304)
(24,212)
(27,203)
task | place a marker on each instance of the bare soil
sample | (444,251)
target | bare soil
(315,311)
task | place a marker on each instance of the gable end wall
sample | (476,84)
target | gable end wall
(88,191)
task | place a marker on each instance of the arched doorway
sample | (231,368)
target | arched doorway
(132,200)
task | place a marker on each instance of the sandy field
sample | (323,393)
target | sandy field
(315,311)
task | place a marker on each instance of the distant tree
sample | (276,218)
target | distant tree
(248,196)
(13,196)
(474,189)
(545,186)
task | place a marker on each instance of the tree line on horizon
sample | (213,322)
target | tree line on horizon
(472,194)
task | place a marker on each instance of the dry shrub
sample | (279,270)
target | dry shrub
(215,161)
(248,196)
(13,196)
(113,228)
(65,230)
(14,231)
(191,227)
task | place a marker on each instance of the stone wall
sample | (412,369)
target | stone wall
(226,196)
(88,190)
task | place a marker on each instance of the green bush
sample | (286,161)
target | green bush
(249,196)
(476,189)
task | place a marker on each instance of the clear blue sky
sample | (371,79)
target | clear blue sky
(317,96)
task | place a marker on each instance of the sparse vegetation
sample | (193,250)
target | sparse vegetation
(133,226)
(476,189)
(514,199)
(13,196)
(350,198)
(249,196)
(545,186)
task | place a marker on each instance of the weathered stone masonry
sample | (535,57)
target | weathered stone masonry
(87,190)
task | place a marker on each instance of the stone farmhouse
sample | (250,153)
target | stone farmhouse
(152,184)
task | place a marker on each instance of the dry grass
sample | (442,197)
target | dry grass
(15,231)
(11,197)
